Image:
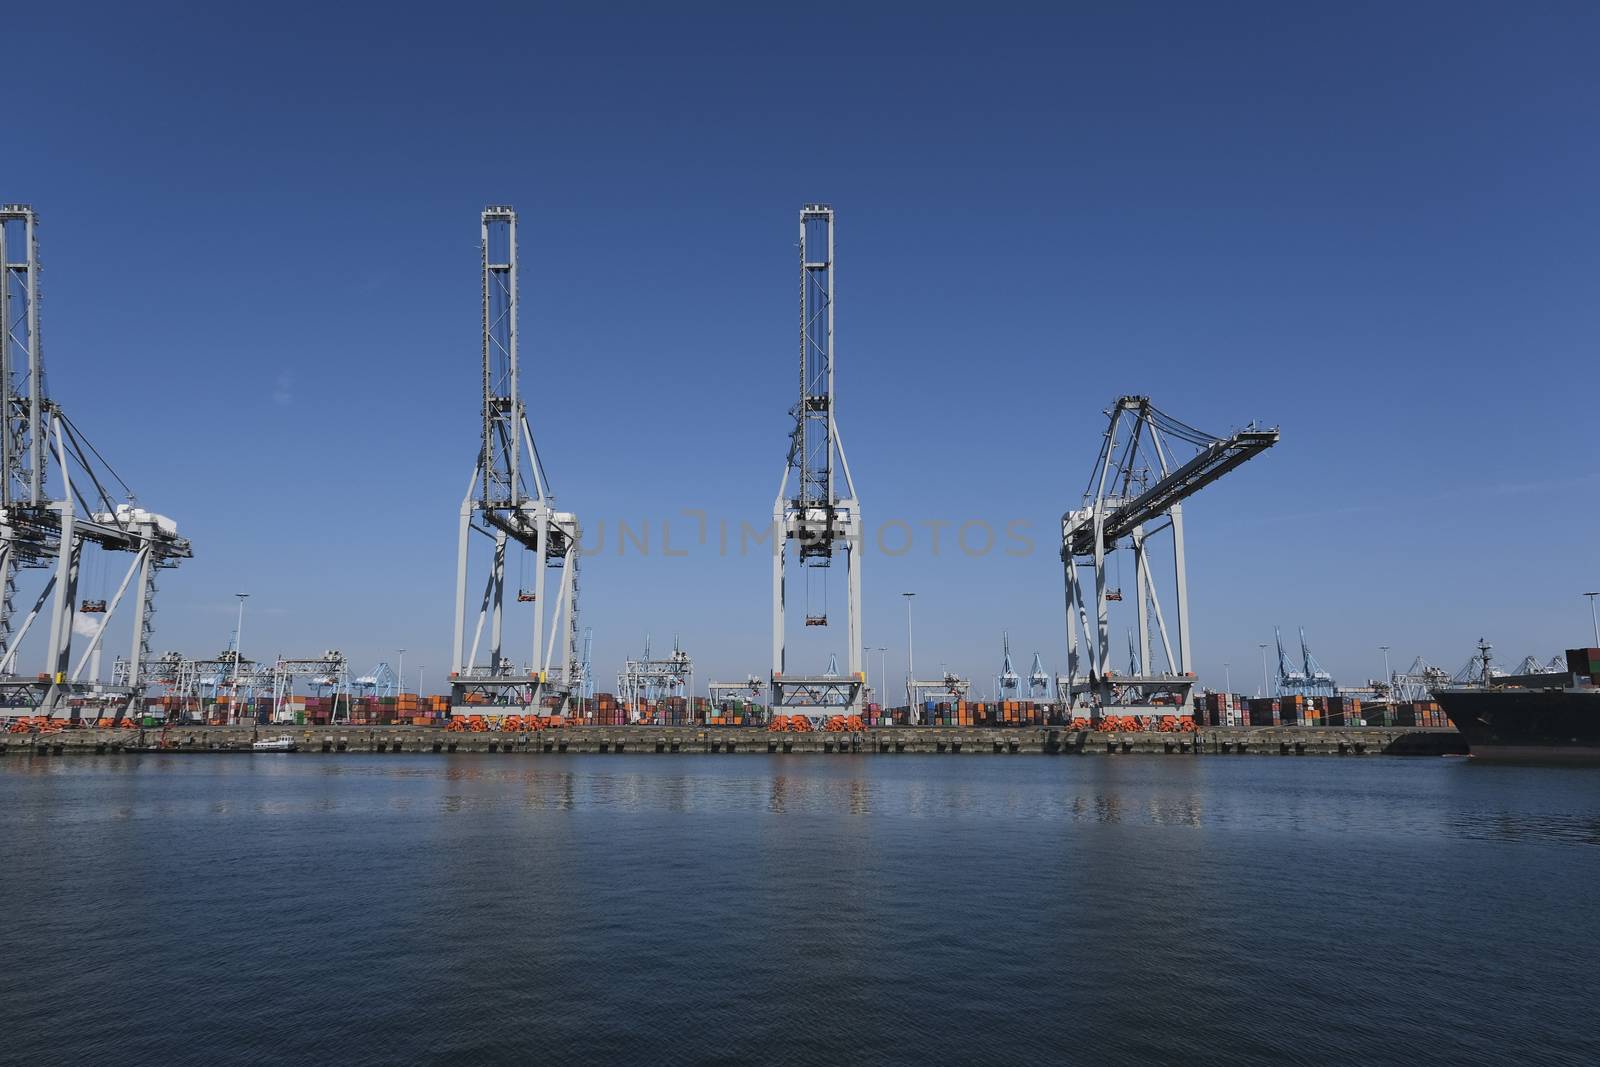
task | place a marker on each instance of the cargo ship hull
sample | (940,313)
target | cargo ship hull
(1533,725)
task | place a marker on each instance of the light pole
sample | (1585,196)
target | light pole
(419,682)
(1266,690)
(400,675)
(1593,618)
(911,671)
(1388,678)
(1227,677)
(238,652)
(883,667)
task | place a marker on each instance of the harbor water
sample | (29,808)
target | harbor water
(387,909)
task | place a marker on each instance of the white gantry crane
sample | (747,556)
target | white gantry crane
(329,672)
(55,502)
(650,680)
(1136,491)
(501,506)
(816,506)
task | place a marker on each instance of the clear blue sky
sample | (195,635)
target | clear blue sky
(1374,225)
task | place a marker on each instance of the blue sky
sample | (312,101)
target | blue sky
(1372,225)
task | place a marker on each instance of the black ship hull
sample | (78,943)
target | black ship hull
(1534,725)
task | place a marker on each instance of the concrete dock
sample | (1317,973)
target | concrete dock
(949,740)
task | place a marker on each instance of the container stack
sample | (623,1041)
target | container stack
(1263,711)
(1584,666)
(1219,709)
(608,711)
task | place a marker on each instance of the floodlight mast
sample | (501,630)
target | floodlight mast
(822,516)
(499,505)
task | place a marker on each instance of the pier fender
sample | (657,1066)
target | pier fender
(1111,747)
(955,746)
(772,746)
(1283,748)
(438,746)
(729,747)
(451,747)
(1361,748)
(1299,748)
(1127,746)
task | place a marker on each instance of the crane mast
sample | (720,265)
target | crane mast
(58,496)
(822,516)
(508,501)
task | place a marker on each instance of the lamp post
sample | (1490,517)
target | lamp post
(1227,677)
(1266,689)
(911,670)
(400,675)
(883,667)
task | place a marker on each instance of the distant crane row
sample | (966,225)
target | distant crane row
(55,500)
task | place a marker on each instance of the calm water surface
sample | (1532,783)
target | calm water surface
(380,909)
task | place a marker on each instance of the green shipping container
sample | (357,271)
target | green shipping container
(151,720)
(299,718)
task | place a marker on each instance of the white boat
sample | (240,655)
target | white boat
(284,743)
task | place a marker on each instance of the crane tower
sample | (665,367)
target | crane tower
(509,500)
(56,499)
(1136,490)
(821,514)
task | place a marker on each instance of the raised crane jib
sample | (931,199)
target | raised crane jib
(1216,457)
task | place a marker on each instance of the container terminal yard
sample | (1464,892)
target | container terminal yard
(61,499)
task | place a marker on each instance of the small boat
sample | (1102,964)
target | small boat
(284,743)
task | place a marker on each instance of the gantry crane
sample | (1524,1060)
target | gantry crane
(648,679)
(1305,678)
(822,515)
(500,505)
(1007,682)
(1038,680)
(55,500)
(1139,480)
(380,681)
